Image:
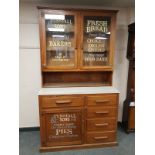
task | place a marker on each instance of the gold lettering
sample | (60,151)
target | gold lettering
(93,26)
(54,43)
(94,41)
(63,131)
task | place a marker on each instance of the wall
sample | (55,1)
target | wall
(29,60)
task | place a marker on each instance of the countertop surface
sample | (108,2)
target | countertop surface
(77,90)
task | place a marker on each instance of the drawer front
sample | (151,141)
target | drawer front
(60,101)
(106,100)
(101,124)
(101,112)
(101,137)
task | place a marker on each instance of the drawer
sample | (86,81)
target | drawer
(60,101)
(101,124)
(106,100)
(101,137)
(101,112)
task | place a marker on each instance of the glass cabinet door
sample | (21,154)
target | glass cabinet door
(60,40)
(96,41)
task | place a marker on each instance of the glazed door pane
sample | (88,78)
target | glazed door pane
(96,41)
(60,40)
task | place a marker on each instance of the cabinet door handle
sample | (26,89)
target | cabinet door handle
(99,138)
(63,102)
(102,101)
(102,124)
(102,112)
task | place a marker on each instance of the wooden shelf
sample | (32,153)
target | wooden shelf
(53,79)
(88,84)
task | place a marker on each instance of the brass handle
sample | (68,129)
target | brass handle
(102,101)
(102,124)
(98,138)
(64,102)
(102,112)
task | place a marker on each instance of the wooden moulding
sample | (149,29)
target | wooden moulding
(74,147)
(57,79)
(75,9)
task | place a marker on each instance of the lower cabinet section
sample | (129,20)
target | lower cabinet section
(77,121)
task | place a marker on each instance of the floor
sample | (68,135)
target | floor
(29,142)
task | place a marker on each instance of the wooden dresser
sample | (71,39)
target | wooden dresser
(78,117)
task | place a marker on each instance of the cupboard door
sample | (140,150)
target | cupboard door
(97,40)
(64,127)
(58,39)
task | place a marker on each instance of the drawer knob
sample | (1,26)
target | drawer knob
(63,102)
(100,138)
(102,124)
(102,112)
(102,101)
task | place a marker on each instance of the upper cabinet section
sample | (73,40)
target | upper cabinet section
(77,40)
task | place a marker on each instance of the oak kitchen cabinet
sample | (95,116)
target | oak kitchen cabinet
(78,105)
